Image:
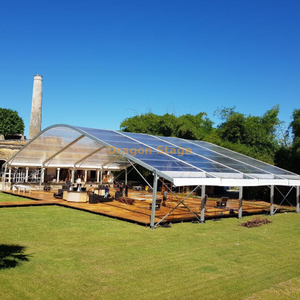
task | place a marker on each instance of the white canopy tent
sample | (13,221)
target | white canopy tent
(182,162)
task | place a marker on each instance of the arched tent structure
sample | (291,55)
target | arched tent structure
(182,162)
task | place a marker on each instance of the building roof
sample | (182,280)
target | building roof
(183,162)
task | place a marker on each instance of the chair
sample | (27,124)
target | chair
(47,188)
(224,202)
(59,194)
(93,198)
(157,205)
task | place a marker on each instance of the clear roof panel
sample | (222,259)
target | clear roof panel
(215,156)
(245,159)
(118,143)
(180,154)
(173,158)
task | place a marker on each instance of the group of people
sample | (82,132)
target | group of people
(91,190)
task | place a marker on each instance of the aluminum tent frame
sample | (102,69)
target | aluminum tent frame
(182,162)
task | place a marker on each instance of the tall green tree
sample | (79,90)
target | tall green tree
(251,135)
(295,127)
(288,156)
(10,122)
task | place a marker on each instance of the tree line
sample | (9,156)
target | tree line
(260,137)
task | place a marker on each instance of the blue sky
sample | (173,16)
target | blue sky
(104,61)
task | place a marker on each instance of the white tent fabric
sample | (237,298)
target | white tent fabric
(183,162)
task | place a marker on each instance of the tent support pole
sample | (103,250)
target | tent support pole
(240,202)
(97,175)
(4,178)
(41,178)
(152,220)
(203,202)
(272,200)
(125,176)
(9,175)
(297,198)
(72,175)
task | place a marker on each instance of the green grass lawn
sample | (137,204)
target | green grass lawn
(78,255)
(11,198)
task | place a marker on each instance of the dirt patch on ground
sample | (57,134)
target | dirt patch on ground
(255,222)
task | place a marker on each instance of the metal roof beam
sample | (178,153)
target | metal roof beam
(111,161)
(62,150)
(86,157)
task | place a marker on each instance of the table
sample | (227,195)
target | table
(20,187)
(75,196)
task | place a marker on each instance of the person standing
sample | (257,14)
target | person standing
(91,190)
(106,191)
(165,194)
(121,189)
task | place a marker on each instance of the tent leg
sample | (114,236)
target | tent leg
(203,202)
(73,175)
(9,175)
(152,220)
(4,178)
(240,202)
(125,176)
(271,200)
(297,198)
(41,178)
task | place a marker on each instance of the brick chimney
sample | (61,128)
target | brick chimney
(36,106)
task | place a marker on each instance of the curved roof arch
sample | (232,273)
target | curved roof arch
(183,162)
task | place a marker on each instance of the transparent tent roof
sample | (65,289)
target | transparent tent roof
(183,162)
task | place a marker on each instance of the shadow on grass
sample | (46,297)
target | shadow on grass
(11,256)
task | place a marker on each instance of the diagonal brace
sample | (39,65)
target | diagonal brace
(180,202)
(140,173)
(283,198)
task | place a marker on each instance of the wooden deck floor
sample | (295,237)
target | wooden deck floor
(139,212)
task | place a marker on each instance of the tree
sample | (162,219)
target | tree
(195,127)
(288,157)
(251,135)
(295,127)
(10,122)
